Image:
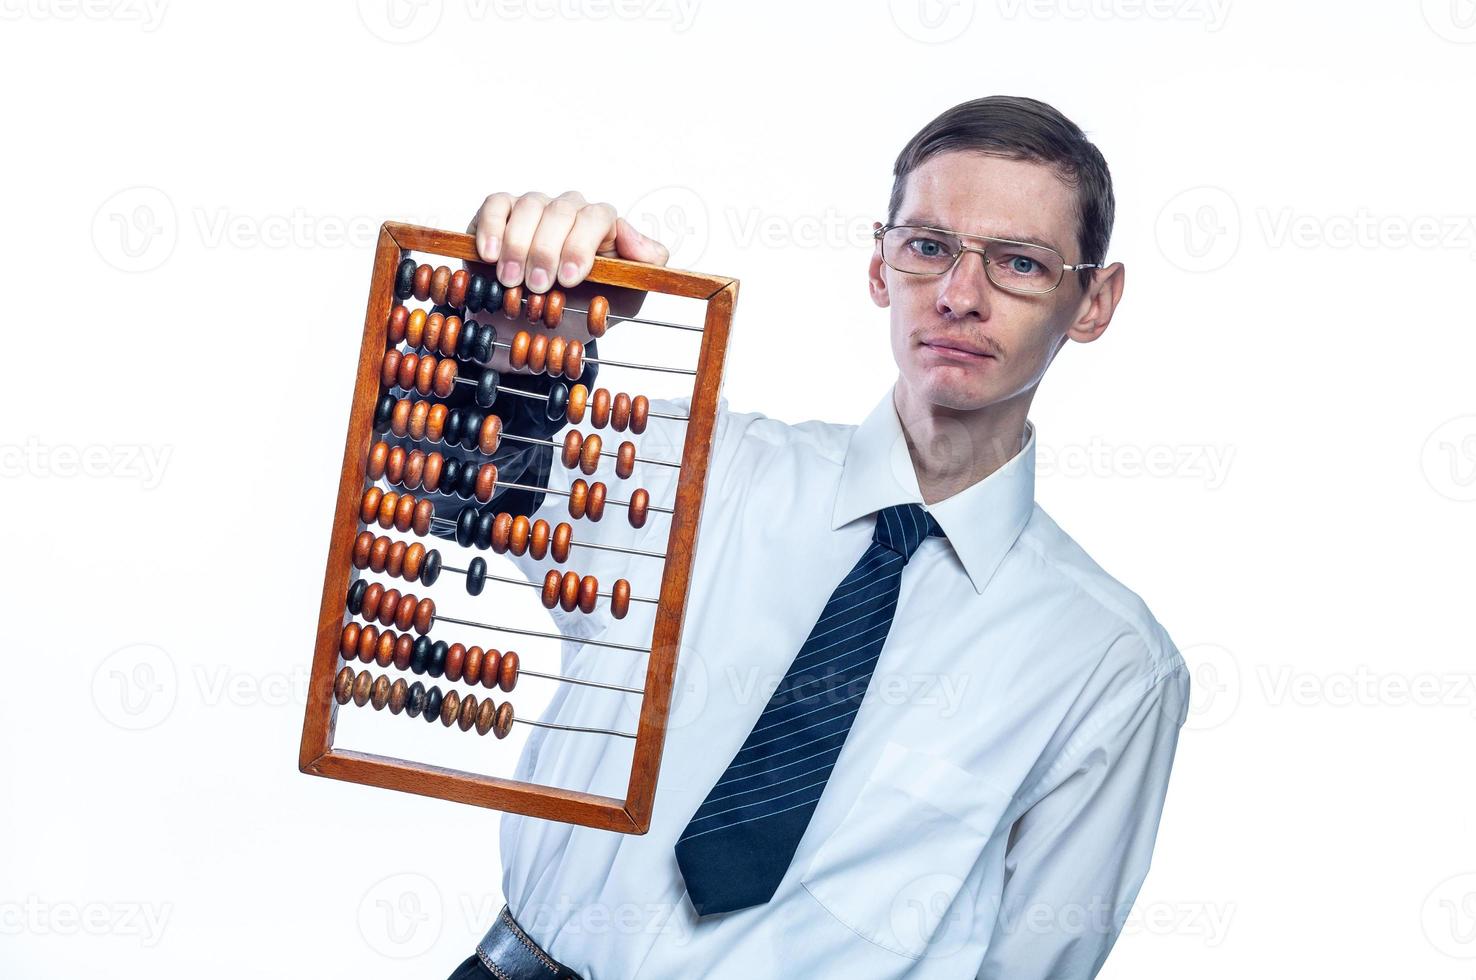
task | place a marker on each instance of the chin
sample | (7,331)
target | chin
(953,389)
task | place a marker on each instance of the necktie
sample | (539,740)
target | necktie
(737,846)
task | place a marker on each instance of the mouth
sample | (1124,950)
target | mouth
(956,350)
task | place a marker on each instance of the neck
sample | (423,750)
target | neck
(951,449)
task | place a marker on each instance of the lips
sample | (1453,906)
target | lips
(955,347)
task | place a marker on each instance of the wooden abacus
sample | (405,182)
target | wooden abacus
(427,354)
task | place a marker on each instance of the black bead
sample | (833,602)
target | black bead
(384,410)
(476,292)
(468,487)
(467,341)
(430,569)
(471,433)
(476,575)
(445,310)
(486,341)
(405,279)
(450,474)
(451,432)
(437,665)
(466,526)
(415,699)
(433,699)
(356,596)
(487,388)
(494,294)
(420,654)
(483,537)
(558,401)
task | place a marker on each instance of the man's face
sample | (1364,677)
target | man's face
(960,341)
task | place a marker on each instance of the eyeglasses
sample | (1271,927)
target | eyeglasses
(1020,267)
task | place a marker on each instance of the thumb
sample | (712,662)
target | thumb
(631,244)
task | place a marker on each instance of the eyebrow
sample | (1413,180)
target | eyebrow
(1028,238)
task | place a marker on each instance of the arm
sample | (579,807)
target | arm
(1078,856)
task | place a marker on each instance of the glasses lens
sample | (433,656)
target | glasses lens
(1025,268)
(920,251)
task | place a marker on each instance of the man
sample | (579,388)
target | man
(957,757)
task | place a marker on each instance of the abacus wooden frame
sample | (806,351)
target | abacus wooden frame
(632,814)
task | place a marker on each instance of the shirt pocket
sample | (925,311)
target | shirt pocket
(893,867)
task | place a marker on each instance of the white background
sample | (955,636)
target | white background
(1275,442)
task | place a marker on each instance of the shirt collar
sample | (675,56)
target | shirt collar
(982,521)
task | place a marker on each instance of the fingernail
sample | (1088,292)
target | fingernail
(511,273)
(569,273)
(538,280)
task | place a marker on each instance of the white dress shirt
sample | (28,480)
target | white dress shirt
(993,810)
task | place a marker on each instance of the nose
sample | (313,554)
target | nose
(966,289)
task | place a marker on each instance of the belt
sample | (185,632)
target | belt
(511,954)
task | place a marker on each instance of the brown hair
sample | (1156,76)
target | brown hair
(1020,128)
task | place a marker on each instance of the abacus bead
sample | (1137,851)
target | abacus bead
(425,611)
(398,692)
(555,356)
(471,668)
(569,591)
(507,675)
(486,712)
(405,279)
(348,641)
(573,442)
(535,307)
(363,545)
(467,716)
(415,327)
(456,290)
(599,308)
(415,699)
(389,371)
(432,567)
(411,419)
(476,292)
(433,699)
(434,325)
(538,539)
(414,555)
(394,464)
(518,534)
(384,648)
(620,416)
(491,435)
(476,575)
(387,504)
(640,410)
(466,526)
(487,387)
(421,283)
(558,397)
(405,612)
(368,640)
(484,343)
(436,666)
(625,458)
(578,496)
(375,600)
(451,335)
(405,512)
(466,343)
(491,668)
(594,508)
(504,721)
(501,528)
(493,299)
(445,378)
(455,659)
(362,685)
(356,595)
(589,459)
(394,558)
(426,373)
(429,475)
(578,399)
(538,353)
(440,282)
(561,539)
(639,500)
(486,481)
(512,301)
(343,685)
(420,654)
(517,353)
(383,410)
(435,422)
(589,591)
(553,310)
(379,693)
(379,554)
(620,598)
(404,650)
(574,360)
(420,522)
(552,582)
(398,318)
(599,414)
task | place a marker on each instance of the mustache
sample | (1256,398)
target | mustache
(983,342)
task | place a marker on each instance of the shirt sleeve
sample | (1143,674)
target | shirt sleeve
(1077,857)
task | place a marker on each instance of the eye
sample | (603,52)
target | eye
(928,248)
(1022,265)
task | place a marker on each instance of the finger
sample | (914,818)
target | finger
(518,237)
(548,240)
(593,232)
(488,223)
(631,244)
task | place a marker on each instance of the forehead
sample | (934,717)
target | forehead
(978,194)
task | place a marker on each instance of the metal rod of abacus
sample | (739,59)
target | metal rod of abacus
(573,728)
(539,585)
(551,636)
(461,380)
(625,364)
(558,444)
(579,544)
(566,493)
(612,319)
(577,680)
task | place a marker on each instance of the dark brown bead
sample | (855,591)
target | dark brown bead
(512,302)
(486,713)
(363,683)
(455,658)
(538,539)
(348,641)
(504,722)
(594,508)
(343,685)
(421,284)
(456,291)
(552,582)
(425,614)
(491,435)
(379,693)
(640,412)
(620,598)
(625,458)
(399,318)
(467,716)
(639,501)
(440,282)
(563,535)
(399,690)
(589,592)
(589,457)
(450,708)
(507,676)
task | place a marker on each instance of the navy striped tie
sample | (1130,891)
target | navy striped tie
(738,844)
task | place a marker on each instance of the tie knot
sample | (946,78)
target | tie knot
(903,527)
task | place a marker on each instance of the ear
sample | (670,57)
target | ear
(876,273)
(1098,303)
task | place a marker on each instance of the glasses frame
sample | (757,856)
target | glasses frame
(965,248)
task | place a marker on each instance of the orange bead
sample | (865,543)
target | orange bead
(538,353)
(594,508)
(414,418)
(394,464)
(424,512)
(425,614)
(639,501)
(491,435)
(456,291)
(348,641)
(625,458)
(517,353)
(368,639)
(378,453)
(404,650)
(589,592)
(414,557)
(471,665)
(379,553)
(413,469)
(507,677)
(387,505)
(421,284)
(512,302)
(415,328)
(450,334)
(389,372)
(640,410)
(501,530)
(573,443)
(369,504)
(440,282)
(569,591)
(599,308)
(562,538)
(518,537)
(578,496)
(552,583)
(620,599)
(491,668)
(578,398)
(538,539)
(427,372)
(620,415)
(384,652)
(589,459)
(599,409)
(405,512)
(399,694)
(430,474)
(363,544)
(434,324)
(435,422)
(574,360)
(553,310)
(409,367)
(405,612)
(394,557)
(554,360)
(486,482)
(445,378)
